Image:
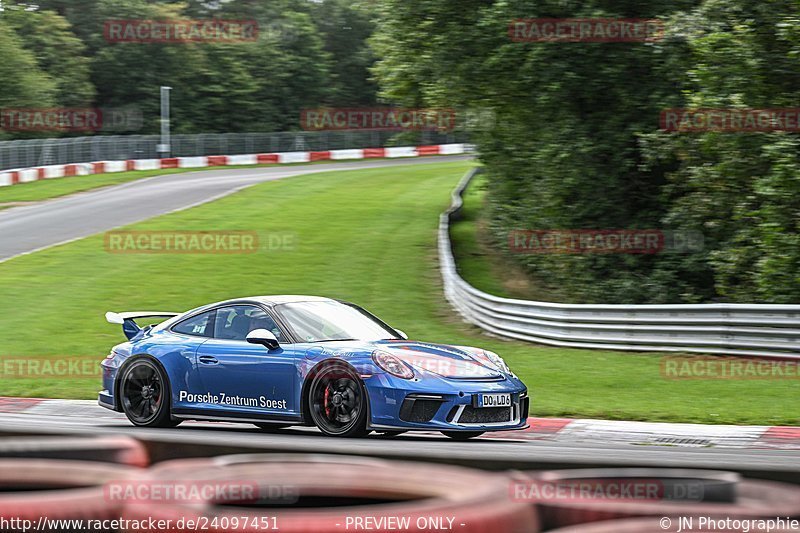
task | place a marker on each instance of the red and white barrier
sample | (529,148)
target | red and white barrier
(294,157)
(452,149)
(192,162)
(401,151)
(246,159)
(12,177)
(347,154)
(115,166)
(217,160)
(147,164)
(52,171)
(428,150)
(28,175)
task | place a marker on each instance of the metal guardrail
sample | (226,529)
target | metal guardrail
(40,152)
(725,329)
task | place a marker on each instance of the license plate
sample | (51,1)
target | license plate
(494,400)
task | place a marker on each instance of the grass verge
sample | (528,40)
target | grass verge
(478,261)
(367,236)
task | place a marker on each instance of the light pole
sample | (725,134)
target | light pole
(164,148)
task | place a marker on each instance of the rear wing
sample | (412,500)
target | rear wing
(128,320)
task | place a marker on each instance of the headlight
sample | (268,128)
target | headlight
(392,365)
(498,361)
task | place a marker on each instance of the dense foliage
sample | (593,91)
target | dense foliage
(307,54)
(575,144)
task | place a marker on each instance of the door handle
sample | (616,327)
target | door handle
(208,360)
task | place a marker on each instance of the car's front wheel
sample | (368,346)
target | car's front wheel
(338,403)
(144,394)
(462,435)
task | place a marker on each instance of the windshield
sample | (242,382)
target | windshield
(332,321)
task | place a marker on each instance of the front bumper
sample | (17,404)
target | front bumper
(444,405)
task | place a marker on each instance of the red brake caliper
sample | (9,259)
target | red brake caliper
(327,404)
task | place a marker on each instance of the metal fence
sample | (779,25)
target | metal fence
(727,329)
(40,152)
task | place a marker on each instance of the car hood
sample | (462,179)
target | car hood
(454,362)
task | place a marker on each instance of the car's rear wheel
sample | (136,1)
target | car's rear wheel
(145,395)
(462,435)
(338,402)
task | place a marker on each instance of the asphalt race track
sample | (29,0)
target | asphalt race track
(33,227)
(493,451)
(29,228)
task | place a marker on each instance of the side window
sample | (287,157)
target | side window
(200,325)
(236,321)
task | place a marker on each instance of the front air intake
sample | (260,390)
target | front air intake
(420,408)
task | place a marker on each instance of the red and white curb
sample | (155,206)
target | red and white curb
(564,430)
(659,434)
(13,177)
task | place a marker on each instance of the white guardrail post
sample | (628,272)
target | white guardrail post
(724,329)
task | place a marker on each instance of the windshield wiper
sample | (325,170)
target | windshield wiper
(336,340)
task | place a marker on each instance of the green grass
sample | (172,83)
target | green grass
(474,262)
(367,236)
(35,191)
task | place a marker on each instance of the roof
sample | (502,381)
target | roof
(286,298)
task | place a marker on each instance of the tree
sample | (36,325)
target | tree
(22,83)
(218,87)
(58,52)
(303,58)
(740,189)
(345,28)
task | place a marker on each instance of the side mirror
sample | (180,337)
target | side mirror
(264,337)
(402,333)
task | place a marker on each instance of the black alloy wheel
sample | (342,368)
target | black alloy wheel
(338,402)
(145,395)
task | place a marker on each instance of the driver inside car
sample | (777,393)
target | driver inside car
(261,320)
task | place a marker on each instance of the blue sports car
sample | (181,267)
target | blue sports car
(278,361)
